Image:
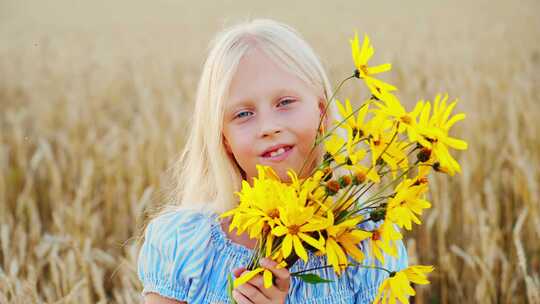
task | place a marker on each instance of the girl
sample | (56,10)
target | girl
(259,100)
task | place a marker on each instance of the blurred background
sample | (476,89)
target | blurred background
(95,97)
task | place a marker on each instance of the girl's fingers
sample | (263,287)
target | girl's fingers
(282,275)
(238,271)
(240,298)
(258,282)
(252,293)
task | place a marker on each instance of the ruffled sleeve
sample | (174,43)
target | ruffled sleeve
(366,281)
(173,255)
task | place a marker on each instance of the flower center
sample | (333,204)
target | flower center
(294,229)
(364,69)
(406,119)
(274,213)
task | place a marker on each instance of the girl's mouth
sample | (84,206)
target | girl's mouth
(279,154)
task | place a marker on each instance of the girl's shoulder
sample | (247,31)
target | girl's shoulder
(178,221)
(187,228)
(184,251)
(172,238)
(191,228)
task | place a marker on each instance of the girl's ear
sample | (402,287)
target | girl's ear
(322,109)
(226,143)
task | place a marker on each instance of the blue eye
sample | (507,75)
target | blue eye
(286,101)
(242,114)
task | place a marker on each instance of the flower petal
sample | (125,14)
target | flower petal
(267,278)
(287,246)
(299,248)
(246,276)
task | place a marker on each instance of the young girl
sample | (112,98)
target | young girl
(259,100)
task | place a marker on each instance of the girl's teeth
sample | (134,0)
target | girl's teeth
(278,152)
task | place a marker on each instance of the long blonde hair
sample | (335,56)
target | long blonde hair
(205,176)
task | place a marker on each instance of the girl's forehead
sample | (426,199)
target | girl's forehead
(258,73)
(256,64)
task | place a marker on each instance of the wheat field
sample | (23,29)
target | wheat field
(95,99)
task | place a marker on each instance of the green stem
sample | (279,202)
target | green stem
(373,165)
(386,186)
(385,148)
(350,264)
(327,104)
(372,184)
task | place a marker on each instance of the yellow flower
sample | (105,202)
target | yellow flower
(334,145)
(248,275)
(308,189)
(356,127)
(353,163)
(402,208)
(362,173)
(434,131)
(383,240)
(343,240)
(398,285)
(258,207)
(295,223)
(361,57)
(391,106)
(417,274)
(354,154)
(394,155)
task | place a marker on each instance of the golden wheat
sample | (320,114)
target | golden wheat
(93,111)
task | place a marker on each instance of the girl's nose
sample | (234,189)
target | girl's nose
(269,127)
(269,131)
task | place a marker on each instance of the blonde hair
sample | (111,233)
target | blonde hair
(205,176)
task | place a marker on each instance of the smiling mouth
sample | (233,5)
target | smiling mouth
(278,154)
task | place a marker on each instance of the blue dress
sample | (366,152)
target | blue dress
(186,256)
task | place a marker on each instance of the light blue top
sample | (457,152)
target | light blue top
(186,256)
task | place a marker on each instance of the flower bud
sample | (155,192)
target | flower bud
(345,181)
(424,155)
(377,214)
(332,187)
(327,174)
(438,168)
(327,157)
(359,178)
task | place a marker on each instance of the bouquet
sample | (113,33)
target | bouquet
(378,144)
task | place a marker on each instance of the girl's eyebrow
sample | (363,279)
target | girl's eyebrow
(238,104)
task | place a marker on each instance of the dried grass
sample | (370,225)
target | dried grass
(90,120)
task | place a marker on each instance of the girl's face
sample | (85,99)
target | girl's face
(271,117)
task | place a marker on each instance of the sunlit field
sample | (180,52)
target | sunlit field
(95,101)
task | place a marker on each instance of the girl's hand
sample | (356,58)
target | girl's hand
(254,292)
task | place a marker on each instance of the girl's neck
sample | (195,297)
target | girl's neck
(242,239)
